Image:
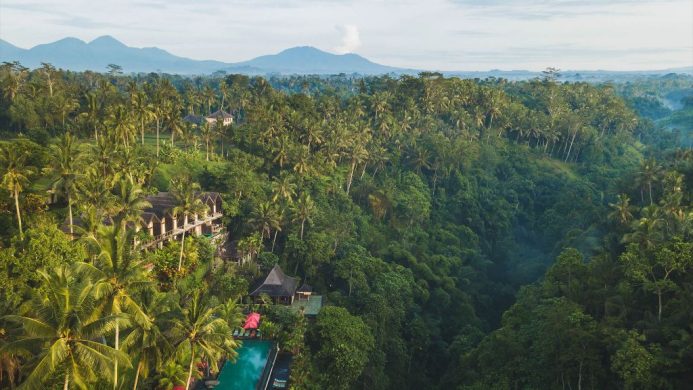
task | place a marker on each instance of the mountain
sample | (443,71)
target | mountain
(77,55)
(309,60)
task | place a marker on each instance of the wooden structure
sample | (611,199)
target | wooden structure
(278,286)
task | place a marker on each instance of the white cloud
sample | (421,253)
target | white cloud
(350,39)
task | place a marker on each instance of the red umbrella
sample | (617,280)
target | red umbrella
(252,321)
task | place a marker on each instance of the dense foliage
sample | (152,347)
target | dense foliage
(466,233)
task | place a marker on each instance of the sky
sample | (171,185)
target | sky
(427,34)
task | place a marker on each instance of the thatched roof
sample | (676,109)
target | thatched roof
(277,284)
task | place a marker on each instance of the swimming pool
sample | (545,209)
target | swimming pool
(246,371)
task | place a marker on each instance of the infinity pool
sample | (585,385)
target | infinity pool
(245,372)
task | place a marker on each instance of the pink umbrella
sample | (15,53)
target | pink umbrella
(252,321)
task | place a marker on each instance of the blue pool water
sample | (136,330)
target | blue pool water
(245,372)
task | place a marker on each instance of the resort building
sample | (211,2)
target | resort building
(278,286)
(160,224)
(159,221)
(219,115)
(282,289)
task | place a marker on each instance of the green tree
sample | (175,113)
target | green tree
(654,268)
(61,328)
(64,158)
(15,177)
(202,334)
(184,190)
(345,342)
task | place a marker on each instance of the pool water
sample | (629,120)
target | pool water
(245,372)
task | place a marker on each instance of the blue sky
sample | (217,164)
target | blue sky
(431,34)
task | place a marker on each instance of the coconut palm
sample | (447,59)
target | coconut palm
(15,177)
(147,340)
(120,275)
(184,190)
(92,115)
(265,218)
(621,210)
(120,121)
(61,328)
(144,112)
(646,176)
(64,156)
(283,188)
(130,202)
(303,211)
(202,333)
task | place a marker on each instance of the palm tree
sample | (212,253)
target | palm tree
(63,167)
(121,123)
(207,135)
(622,209)
(647,230)
(359,154)
(147,340)
(143,111)
(203,333)
(172,374)
(184,190)
(209,96)
(14,78)
(119,276)
(94,190)
(224,92)
(283,187)
(648,174)
(130,202)
(93,113)
(303,210)
(280,148)
(265,218)
(15,177)
(61,328)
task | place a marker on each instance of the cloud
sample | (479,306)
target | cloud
(350,39)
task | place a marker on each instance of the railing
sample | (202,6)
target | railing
(186,228)
(267,372)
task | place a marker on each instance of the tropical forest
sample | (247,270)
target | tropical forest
(459,233)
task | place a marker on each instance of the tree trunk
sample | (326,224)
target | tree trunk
(142,130)
(571,146)
(274,240)
(303,222)
(137,374)
(207,149)
(192,361)
(659,305)
(580,376)
(19,215)
(67,381)
(158,126)
(649,185)
(69,210)
(115,364)
(351,175)
(182,243)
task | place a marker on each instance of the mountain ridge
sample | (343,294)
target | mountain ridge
(77,55)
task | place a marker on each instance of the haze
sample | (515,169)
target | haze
(433,34)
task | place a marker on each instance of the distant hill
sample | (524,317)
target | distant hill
(77,55)
(309,60)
